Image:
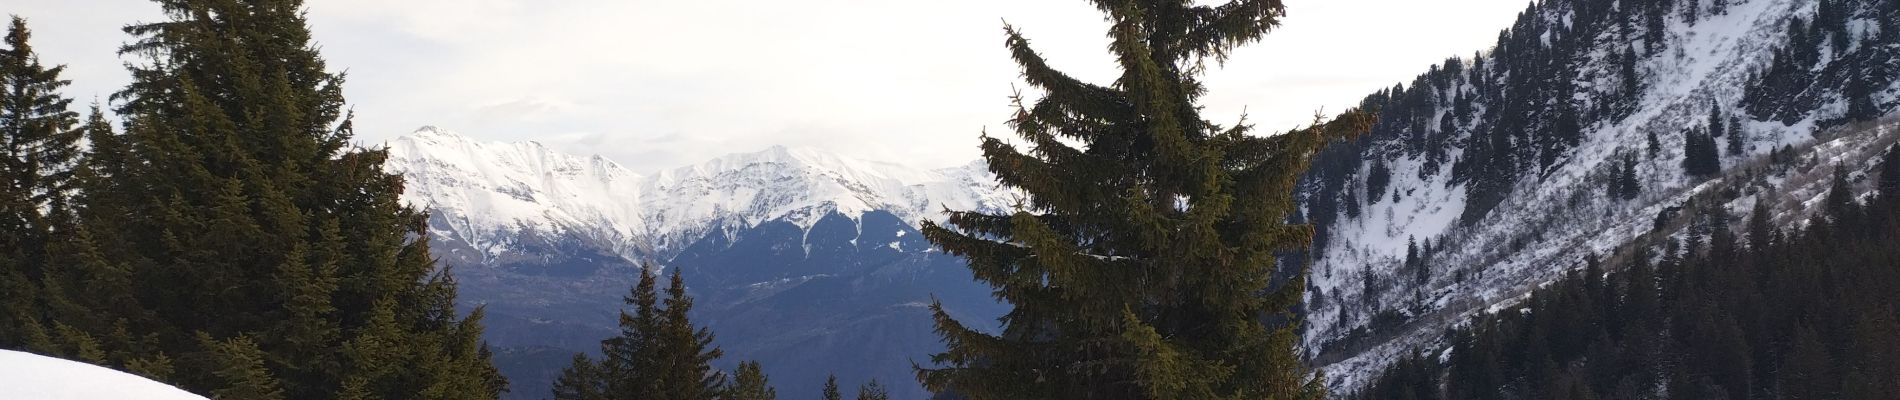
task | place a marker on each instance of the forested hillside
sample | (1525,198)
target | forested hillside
(1737,309)
(1588,123)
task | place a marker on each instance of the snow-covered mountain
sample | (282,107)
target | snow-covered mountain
(807,261)
(28,376)
(487,194)
(1498,169)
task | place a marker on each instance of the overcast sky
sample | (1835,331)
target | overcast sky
(655,84)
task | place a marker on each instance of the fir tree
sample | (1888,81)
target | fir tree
(1655,144)
(684,353)
(1413,263)
(873,391)
(1699,155)
(1735,136)
(1716,127)
(1146,254)
(1632,82)
(248,215)
(580,380)
(749,383)
(38,150)
(1378,178)
(831,388)
(631,359)
(1629,186)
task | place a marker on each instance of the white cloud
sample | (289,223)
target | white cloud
(661,83)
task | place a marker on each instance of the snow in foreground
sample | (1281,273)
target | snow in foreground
(36,377)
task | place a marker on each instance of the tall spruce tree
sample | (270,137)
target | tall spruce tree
(685,353)
(38,151)
(831,389)
(873,391)
(1142,262)
(269,255)
(749,383)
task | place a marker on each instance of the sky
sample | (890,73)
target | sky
(656,84)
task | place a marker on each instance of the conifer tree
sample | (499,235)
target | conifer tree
(1889,183)
(38,150)
(684,353)
(254,230)
(1141,264)
(1699,155)
(1632,82)
(629,360)
(1655,144)
(1378,178)
(1716,127)
(1735,136)
(873,391)
(749,383)
(831,389)
(580,380)
(1629,186)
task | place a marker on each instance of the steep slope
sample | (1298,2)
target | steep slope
(805,261)
(1583,130)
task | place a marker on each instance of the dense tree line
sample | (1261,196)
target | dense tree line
(229,239)
(1748,313)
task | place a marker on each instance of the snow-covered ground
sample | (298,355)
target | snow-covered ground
(26,376)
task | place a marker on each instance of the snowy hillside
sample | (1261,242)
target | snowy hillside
(28,376)
(1534,132)
(487,194)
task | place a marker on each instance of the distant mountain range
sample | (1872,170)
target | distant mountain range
(806,261)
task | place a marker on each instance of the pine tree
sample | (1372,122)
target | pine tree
(684,353)
(630,359)
(1378,178)
(1889,183)
(1141,263)
(1699,155)
(1655,145)
(248,215)
(1632,82)
(873,391)
(1626,178)
(1413,263)
(831,388)
(580,380)
(240,363)
(1735,136)
(1807,371)
(749,383)
(38,150)
(1716,127)
(1691,9)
